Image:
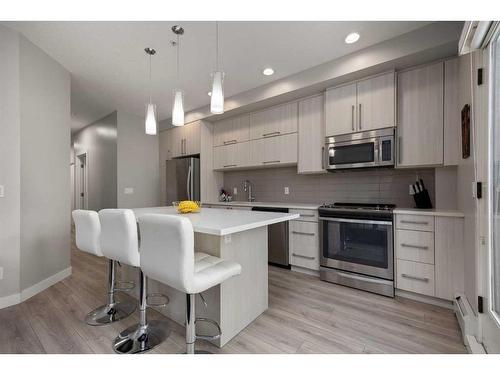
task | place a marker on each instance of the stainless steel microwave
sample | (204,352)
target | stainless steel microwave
(366,149)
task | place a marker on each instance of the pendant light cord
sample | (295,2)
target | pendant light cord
(217,45)
(150,88)
(178,52)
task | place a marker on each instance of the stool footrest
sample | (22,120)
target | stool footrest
(124,286)
(212,322)
(164,300)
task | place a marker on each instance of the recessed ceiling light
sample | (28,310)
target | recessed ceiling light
(352,38)
(268,72)
(209,93)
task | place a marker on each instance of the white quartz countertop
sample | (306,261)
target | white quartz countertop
(220,222)
(428,212)
(298,206)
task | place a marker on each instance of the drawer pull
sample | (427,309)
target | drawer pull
(415,246)
(270,134)
(424,279)
(414,222)
(307,215)
(270,161)
(230,165)
(303,233)
(303,256)
(230,142)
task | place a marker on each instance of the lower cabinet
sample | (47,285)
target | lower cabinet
(429,258)
(304,244)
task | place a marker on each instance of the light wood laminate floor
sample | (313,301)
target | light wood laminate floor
(305,315)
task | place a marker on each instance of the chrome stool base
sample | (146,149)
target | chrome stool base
(140,339)
(109,313)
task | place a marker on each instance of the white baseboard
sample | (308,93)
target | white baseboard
(426,299)
(44,284)
(7,301)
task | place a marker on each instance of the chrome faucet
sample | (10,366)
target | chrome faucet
(248,187)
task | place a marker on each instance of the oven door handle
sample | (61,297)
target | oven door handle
(360,221)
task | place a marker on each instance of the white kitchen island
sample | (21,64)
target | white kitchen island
(236,235)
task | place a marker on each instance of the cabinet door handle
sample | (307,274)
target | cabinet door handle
(352,117)
(230,165)
(270,134)
(359,116)
(307,215)
(303,233)
(270,161)
(415,246)
(414,222)
(230,142)
(303,256)
(323,157)
(424,279)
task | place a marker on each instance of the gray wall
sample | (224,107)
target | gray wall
(138,163)
(45,177)
(99,140)
(10,161)
(371,185)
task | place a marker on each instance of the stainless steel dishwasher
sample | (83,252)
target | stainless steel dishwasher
(277,239)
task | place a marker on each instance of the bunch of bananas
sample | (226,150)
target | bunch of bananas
(186,207)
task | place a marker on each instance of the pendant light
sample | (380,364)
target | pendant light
(150,123)
(178,97)
(217,97)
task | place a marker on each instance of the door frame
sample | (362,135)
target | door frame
(78,184)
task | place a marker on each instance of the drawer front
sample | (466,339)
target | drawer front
(304,244)
(415,277)
(415,222)
(415,245)
(306,215)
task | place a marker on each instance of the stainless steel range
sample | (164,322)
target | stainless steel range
(356,246)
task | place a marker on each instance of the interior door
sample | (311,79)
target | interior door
(340,110)
(490,319)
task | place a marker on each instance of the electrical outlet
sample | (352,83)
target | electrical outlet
(2,191)
(411,189)
(1,273)
(235,190)
(287,190)
(227,238)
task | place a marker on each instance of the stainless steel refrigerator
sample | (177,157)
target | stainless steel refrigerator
(182,180)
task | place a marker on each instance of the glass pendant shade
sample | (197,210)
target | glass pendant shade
(151,119)
(217,98)
(178,108)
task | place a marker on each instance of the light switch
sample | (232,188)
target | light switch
(235,190)
(287,190)
(2,190)
(128,190)
(1,273)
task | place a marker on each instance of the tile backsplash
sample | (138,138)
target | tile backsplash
(370,185)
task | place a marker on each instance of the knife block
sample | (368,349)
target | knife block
(422,199)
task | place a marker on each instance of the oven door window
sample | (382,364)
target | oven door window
(359,243)
(352,154)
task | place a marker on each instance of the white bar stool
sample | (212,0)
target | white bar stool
(87,236)
(167,255)
(119,241)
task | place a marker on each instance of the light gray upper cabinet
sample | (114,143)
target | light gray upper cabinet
(185,140)
(231,156)
(420,116)
(274,151)
(278,120)
(376,102)
(340,110)
(311,135)
(232,130)
(364,105)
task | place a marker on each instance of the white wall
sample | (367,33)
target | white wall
(138,163)
(10,161)
(45,177)
(99,141)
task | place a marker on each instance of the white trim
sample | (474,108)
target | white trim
(473,347)
(425,299)
(7,301)
(44,284)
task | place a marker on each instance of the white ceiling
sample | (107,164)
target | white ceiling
(109,67)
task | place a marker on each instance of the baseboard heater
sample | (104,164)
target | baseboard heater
(468,323)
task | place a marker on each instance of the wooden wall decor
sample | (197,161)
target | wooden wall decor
(466,131)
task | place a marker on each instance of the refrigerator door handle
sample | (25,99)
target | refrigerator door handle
(188,183)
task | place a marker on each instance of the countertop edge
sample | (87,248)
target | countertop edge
(293,206)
